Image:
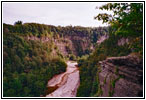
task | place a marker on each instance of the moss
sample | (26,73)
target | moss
(116,70)
(99,69)
(121,76)
(100,92)
(112,85)
(105,79)
(95,86)
(111,93)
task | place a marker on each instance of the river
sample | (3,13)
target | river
(65,84)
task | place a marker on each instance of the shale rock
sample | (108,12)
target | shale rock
(121,76)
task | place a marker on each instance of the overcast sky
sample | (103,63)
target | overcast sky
(60,13)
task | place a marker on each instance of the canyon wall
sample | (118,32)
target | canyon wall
(121,76)
(68,45)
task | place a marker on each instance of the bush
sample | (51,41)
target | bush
(72,57)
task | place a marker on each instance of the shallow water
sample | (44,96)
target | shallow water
(65,84)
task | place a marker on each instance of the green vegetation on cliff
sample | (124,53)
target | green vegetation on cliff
(83,37)
(126,23)
(28,65)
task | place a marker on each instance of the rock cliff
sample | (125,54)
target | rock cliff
(121,76)
(69,40)
(76,45)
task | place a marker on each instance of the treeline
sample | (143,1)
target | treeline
(79,36)
(41,30)
(28,64)
(128,24)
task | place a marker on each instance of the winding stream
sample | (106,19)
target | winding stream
(65,84)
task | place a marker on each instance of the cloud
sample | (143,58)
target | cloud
(61,13)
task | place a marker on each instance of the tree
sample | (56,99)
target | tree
(18,23)
(127,18)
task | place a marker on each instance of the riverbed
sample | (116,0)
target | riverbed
(65,84)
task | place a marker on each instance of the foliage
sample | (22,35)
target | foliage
(127,18)
(86,35)
(72,57)
(18,23)
(81,59)
(30,64)
(27,66)
(127,22)
(89,66)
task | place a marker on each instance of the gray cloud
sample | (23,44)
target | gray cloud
(53,13)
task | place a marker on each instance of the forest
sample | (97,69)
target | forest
(128,24)
(28,64)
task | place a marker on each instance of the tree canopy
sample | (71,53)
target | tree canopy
(18,23)
(126,21)
(127,18)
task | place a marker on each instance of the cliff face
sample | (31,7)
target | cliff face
(76,45)
(102,38)
(68,40)
(121,76)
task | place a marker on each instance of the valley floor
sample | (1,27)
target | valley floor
(65,84)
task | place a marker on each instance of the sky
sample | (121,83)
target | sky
(53,13)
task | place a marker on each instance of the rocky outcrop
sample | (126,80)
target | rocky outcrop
(43,39)
(102,38)
(123,41)
(69,44)
(121,76)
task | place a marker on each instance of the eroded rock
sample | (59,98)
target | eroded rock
(121,76)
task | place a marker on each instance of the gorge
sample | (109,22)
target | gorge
(67,82)
(47,61)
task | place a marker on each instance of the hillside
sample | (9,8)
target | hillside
(66,39)
(44,60)
(115,68)
(34,53)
